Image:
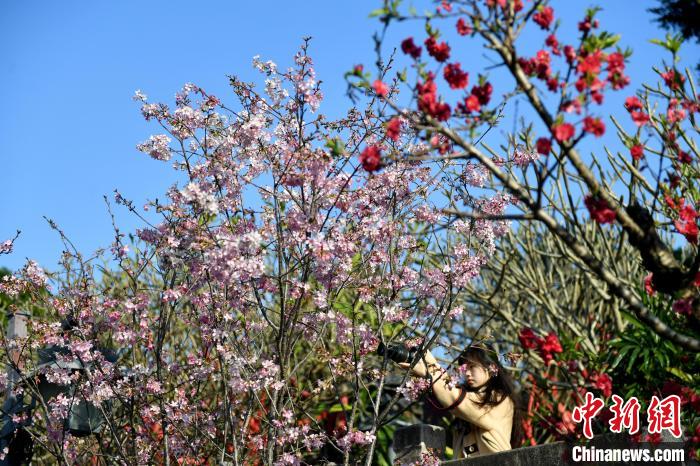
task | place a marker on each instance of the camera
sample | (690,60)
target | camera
(397,352)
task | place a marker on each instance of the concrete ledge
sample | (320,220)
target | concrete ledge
(411,442)
(558,453)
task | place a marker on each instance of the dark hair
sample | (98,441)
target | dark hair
(499,386)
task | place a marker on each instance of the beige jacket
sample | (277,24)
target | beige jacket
(490,426)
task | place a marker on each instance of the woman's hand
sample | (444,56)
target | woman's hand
(420,369)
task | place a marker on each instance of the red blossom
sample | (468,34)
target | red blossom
(428,100)
(587,24)
(551,344)
(544,17)
(551,41)
(616,66)
(463,28)
(544,145)
(683,306)
(618,81)
(393,129)
(687,224)
(633,104)
(616,63)
(649,284)
(597,97)
(455,77)
(528,66)
(528,339)
(684,157)
(518,4)
(563,131)
(673,79)
(594,126)
(637,151)
(639,118)
(371,158)
(380,88)
(409,48)
(570,54)
(470,104)
(591,64)
(542,62)
(357,70)
(483,93)
(571,106)
(599,209)
(440,52)
(602,382)
(548,346)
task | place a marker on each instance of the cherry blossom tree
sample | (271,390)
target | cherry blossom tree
(241,327)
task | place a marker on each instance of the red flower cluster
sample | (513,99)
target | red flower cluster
(440,52)
(528,339)
(683,306)
(551,41)
(687,223)
(544,17)
(570,54)
(544,145)
(673,79)
(463,29)
(590,64)
(380,88)
(594,126)
(587,24)
(602,382)
(371,158)
(649,284)
(687,395)
(428,100)
(455,77)
(483,93)
(546,347)
(409,48)
(635,106)
(599,209)
(518,4)
(393,129)
(637,151)
(616,68)
(539,66)
(563,131)
(480,95)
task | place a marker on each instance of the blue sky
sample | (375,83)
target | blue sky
(69,69)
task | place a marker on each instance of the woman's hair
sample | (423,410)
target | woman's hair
(499,386)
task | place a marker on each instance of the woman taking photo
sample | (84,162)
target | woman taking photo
(485,405)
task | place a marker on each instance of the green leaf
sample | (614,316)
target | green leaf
(620,356)
(378,12)
(680,374)
(633,358)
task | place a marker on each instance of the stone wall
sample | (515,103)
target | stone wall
(412,441)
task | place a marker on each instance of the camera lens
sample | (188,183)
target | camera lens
(397,352)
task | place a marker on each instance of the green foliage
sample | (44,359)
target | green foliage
(672,43)
(682,15)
